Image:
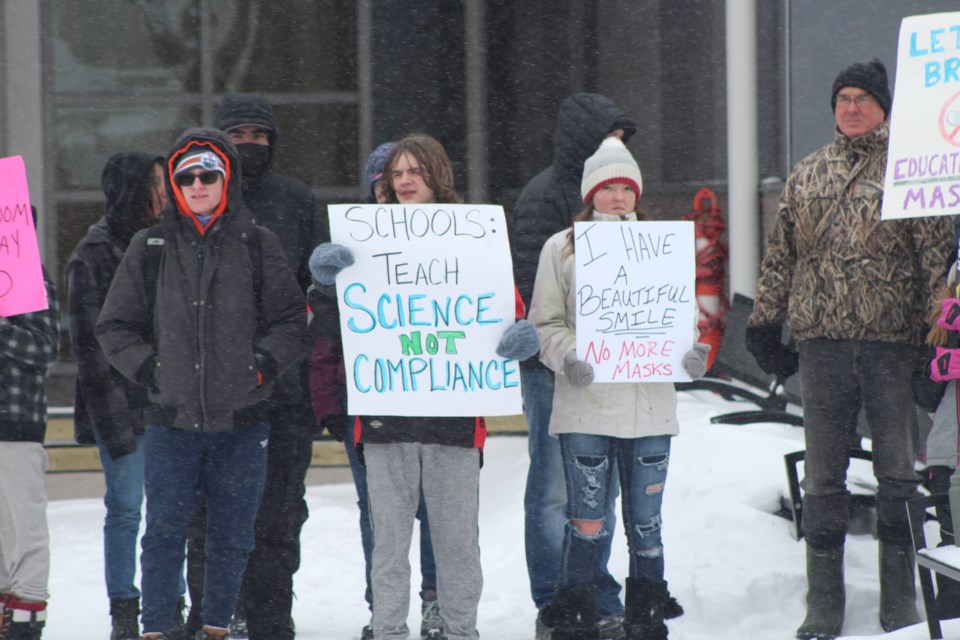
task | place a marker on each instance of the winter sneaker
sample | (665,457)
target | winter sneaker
(124,619)
(610,628)
(212,633)
(22,620)
(432,620)
(238,624)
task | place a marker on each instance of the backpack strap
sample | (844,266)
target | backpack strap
(151,265)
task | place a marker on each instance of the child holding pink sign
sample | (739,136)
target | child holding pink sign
(631,423)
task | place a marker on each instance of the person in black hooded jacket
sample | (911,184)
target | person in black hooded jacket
(108,408)
(225,319)
(547,205)
(289,209)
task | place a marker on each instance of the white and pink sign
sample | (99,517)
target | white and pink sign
(923,163)
(21,278)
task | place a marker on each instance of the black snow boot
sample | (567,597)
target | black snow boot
(826,597)
(671,608)
(572,615)
(643,619)
(898,592)
(124,617)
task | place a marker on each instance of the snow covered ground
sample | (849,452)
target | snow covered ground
(732,564)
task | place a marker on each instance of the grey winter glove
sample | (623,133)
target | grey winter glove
(329,259)
(519,342)
(578,372)
(694,362)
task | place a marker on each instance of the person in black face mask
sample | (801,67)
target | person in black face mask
(289,208)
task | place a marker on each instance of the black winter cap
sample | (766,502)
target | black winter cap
(244,109)
(869,75)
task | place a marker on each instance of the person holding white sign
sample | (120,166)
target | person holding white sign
(638,440)
(855,292)
(409,456)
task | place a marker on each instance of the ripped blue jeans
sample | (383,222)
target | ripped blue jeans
(642,465)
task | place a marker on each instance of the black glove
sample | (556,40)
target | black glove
(267,366)
(927,393)
(771,354)
(336,426)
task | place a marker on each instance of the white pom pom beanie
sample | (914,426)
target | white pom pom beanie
(611,163)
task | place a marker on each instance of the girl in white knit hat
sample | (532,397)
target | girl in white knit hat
(637,438)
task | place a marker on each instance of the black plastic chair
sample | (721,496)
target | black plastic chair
(917,513)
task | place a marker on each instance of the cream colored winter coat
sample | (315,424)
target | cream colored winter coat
(621,410)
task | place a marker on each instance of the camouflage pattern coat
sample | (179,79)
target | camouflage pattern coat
(832,268)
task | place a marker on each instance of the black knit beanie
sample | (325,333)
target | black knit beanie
(869,75)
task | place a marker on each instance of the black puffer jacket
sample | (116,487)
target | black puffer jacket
(550,201)
(105,400)
(216,331)
(284,205)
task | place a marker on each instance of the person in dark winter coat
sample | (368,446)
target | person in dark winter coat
(208,339)
(855,292)
(547,205)
(108,408)
(28,346)
(288,208)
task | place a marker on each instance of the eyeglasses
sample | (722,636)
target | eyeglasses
(187,179)
(861,101)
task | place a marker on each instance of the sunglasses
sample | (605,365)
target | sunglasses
(187,179)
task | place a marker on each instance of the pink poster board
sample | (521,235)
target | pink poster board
(21,279)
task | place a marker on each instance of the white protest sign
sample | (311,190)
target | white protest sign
(636,304)
(923,162)
(423,308)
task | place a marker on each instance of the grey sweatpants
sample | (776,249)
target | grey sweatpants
(24,537)
(450,477)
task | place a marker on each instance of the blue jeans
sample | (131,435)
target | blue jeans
(588,463)
(121,525)
(545,503)
(229,469)
(428,567)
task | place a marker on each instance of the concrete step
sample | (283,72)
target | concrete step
(66,456)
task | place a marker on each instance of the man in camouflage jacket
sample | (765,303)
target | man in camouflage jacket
(855,292)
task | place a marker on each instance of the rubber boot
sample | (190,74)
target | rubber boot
(826,597)
(643,618)
(572,614)
(898,592)
(124,618)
